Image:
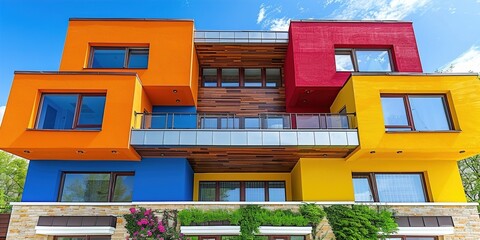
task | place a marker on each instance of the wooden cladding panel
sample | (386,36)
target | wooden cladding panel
(241,100)
(235,159)
(4,221)
(241,55)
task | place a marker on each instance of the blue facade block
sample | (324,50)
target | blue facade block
(156,179)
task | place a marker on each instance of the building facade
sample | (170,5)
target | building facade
(151,112)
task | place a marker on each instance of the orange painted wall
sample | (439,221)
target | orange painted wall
(124,96)
(171,58)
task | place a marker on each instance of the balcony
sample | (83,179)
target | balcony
(270,142)
(241,37)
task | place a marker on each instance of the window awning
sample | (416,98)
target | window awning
(424,225)
(76,225)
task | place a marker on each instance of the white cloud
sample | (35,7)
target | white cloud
(2,111)
(261,14)
(468,61)
(279,24)
(452,10)
(376,9)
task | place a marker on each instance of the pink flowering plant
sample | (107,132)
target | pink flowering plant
(142,224)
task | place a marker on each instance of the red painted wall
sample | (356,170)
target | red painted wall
(310,76)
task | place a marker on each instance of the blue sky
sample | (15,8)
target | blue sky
(32,33)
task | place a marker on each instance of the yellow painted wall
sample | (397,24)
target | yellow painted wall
(296,176)
(463,95)
(331,180)
(171,61)
(124,96)
(242,177)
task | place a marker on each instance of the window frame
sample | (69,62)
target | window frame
(373,183)
(241,76)
(353,56)
(76,117)
(405,237)
(408,111)
(111,182)
(86,237)
(126,57)
(242,189)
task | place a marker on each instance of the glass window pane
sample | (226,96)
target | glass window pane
(276,191)
(91,111)
(429,113)
(308,121)
(157,121)
(230,77)
(373,61)
(230,191)
(400,187)
(255,191)
(209,123)
(253,77)
(208,191)
(57,111)
(84,187)
(343,62)
(362,189)
(274,122)
(229,123)
(209,77)
(273,77)
(394,113)
(123,191)
(138,58)
(252,123)
(108,58)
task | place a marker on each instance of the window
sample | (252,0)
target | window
(96,187)
(411,238)
(71,111)
(121,57)
(219,122)
(250,191)
(363,60)
(389,187)
(83,238)
(416,113)
(241,77)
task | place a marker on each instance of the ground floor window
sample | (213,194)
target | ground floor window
(82,238)
(411,238)
(237,237)
(249,191)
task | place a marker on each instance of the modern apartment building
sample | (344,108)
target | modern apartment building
(153,113)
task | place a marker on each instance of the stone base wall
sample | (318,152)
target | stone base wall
(24,217)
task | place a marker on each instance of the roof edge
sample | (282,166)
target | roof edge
(132,19)
(348,21)
(75,73)
(411,74)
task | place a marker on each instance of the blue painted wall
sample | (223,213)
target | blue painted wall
(156,179)
(165,117)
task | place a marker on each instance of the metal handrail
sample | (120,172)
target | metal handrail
(169,120)
(242,36)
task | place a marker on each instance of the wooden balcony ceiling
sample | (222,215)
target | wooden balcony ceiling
(241,55)
(228,159)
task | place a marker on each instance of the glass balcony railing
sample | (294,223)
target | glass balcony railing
(241,37)
(234,121)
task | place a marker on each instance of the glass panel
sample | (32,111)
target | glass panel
(230,191)
(373,61)
(429,113)
(273,122)
(123,188)
(362,189)
(400,188)
(79,187)
(158,121)
(343,62)
(108,58)
(229,123)
(57,111)
(209,123)
(91,111)
(252,123)
(208,191)
(138,58)
(394,113)
(255,191)
(273,77)
(308,121)
(230,77)
(253,77)
(276,191)
(209,77)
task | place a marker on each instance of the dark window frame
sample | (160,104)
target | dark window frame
(111,183)
(78,107)
(126,57)
(373,183)
(241,75)
(352,52)
(242,189)
(408,110)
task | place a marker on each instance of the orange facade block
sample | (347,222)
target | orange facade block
(124,96)
(171,78)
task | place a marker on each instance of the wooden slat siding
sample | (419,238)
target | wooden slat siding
(241,55)
(246,101)
(4,221)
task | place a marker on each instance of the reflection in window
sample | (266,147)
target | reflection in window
(209,77)
(276,191)
(400,188)
(274,122)
(273,77)
(229,191)
(252,122)
(255,191)
(97,187)
(363,60)
(362,189)
(253,77)
(138,58)
(242,191)
(208,191)
(91,111)
(394,112)
(241,77)
(343,61)
(230,77)
(119,57)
